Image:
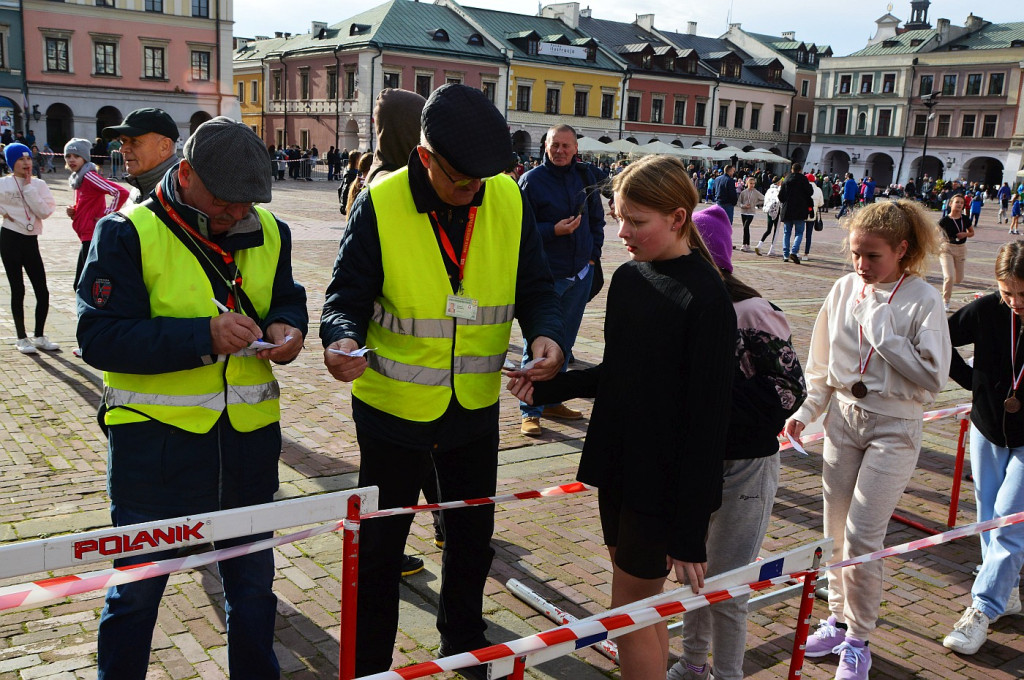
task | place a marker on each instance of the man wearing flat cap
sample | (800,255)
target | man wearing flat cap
(436,261)
(174,293)
(147,138)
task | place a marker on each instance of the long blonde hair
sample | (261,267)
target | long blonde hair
(895,222)
(661,183)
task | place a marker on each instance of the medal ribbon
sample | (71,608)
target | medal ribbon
(24,204)
(447,244)
(860,329)
(1013,356)
(225,255)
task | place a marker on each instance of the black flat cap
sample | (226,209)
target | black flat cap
(463,127)
(141,121)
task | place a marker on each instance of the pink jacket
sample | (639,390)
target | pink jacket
(91,203)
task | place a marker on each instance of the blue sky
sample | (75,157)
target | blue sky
(846,26)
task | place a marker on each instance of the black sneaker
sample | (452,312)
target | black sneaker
(794,258)
(411,565)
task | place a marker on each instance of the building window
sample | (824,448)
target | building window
(523,97)
(200,65)
(553,100)
(241,91)
(254,91)
(967,126)
(531,46)
(862,121)
(3,49)
(391,79)
(279,138)
(699,112)
(679,114)
(647,61)
(490,90)
(723,115)
(633,107)
(105,54)
(842,121)
(925,87)
(737,120)
(943,126)
(657,110)
(580,105)
(973,84)
(304,139)
(57,55)
(777,121)
(949,85)
(755,118)
(805,86)
(304,84)
(888,83)
(453,80)
(153,63)
(277,86)
(884,122)
(801,122)
(350,84)
(424,85)
(866,83)
(844,84)
(201,8)
(155,6)
(988,126)
(607,105)
(104,3)
(995,84)
(332,84)
(920,124)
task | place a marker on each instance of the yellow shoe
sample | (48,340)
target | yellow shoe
(562,412)
(531,427)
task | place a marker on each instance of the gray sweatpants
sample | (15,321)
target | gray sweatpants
(735,535)
(868,460)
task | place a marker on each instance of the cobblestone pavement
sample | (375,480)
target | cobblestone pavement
(52,467)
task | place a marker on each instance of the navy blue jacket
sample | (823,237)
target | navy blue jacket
(850,190)
(556,193)
(724,189)
(155,467)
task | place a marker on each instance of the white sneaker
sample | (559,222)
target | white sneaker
(25,346)
(43,342)
(1012,605)
(946,308)
(745,249)
(969,633)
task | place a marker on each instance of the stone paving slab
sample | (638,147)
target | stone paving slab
(53,462)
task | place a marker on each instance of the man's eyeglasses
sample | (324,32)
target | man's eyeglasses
(457,183)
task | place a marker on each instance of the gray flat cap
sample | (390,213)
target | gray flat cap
(230,160)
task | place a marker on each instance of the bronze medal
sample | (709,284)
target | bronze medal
(1012,404)
(860,390)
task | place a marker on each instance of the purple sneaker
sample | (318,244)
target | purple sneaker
(854,661)
(825,639)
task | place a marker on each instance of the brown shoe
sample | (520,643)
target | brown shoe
(562,412)
(531,427)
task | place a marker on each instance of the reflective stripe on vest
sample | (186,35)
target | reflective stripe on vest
(193,399)
(421,354)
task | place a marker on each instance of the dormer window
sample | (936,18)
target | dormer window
(801,56)
(691,65)
(531,46)
(914,42)
(356,29)
(774,74)
(647,60)
(440,35)
(811,57)
(670,64)
(591,53)
(475,39)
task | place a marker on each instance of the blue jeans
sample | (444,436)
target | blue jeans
(728,208)
(999,490)
(573,295)
(786,232)
(126,625)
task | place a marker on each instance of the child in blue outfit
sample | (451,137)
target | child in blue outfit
(976,203)
(1015,215)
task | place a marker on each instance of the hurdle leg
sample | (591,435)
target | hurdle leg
(958,472)
(349,592)
(803,622)
(519,669)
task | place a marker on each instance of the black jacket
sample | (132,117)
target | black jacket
(796,196)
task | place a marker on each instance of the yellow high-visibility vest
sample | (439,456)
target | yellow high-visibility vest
(193,399)
(422,355)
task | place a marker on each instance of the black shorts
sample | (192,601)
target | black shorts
(640,540)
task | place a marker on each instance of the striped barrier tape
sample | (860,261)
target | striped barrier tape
(48,590)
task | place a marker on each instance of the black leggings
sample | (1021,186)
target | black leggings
(746,219)
(772,224)
(18,252)
(83,253)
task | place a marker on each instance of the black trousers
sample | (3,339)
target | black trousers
(20,251)
(466,471)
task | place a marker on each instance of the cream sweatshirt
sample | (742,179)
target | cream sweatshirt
(911,340)
(38,204)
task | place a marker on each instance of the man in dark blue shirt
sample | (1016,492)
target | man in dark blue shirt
(724,190)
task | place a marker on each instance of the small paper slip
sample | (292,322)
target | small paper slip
(531,364)
(362,351)
(259,344)
(796,447)
(509,366)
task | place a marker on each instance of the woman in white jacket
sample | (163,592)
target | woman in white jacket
(24,203)
(818,201)
(771,208)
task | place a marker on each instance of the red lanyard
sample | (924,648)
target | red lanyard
(447,244)
(1015,376)
(225,255)
(860,329)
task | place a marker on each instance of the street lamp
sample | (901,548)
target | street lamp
(929,101)
(36,113)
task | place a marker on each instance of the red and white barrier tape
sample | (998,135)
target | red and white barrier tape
(47,590)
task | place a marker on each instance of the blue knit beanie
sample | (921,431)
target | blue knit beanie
(12,152)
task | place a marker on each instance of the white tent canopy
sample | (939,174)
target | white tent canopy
(591,145)
(623,145)
(658,146)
